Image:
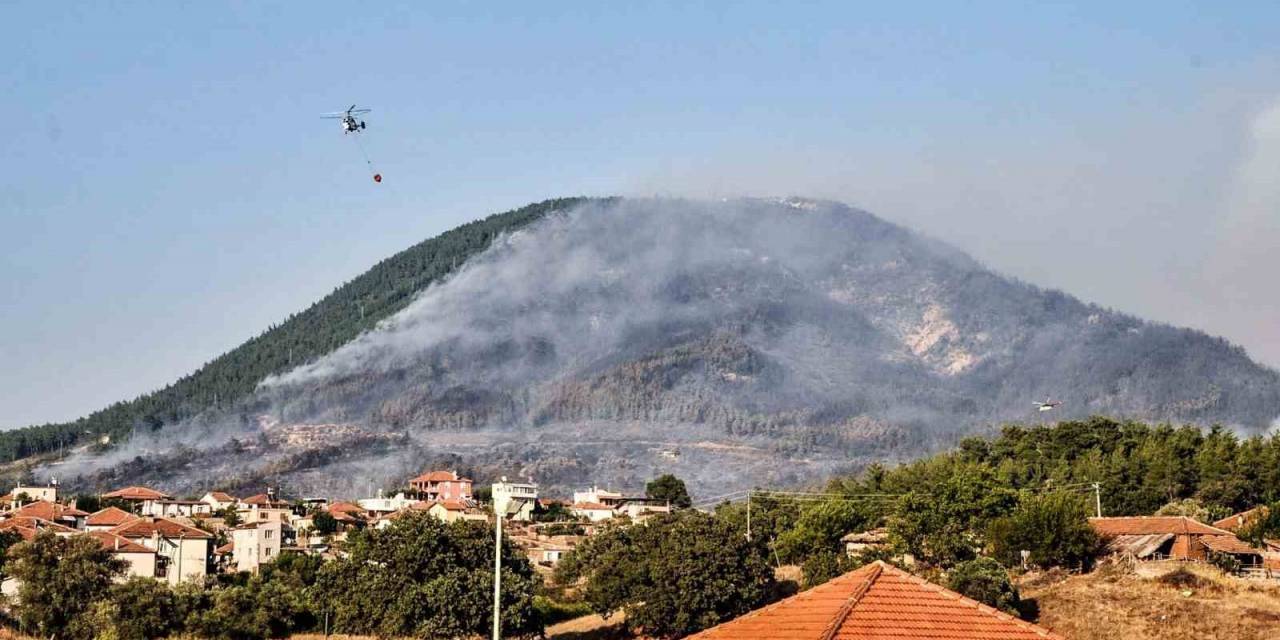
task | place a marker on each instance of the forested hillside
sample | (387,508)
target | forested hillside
(354,307)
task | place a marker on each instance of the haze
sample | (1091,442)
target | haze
(167,191)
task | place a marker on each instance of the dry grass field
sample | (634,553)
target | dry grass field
(1161,601)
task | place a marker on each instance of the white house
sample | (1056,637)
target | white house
(176,508)
(519,496)
(47,493)
(381,505)
(182,551)
(218,500)
(596,495)
(593,511)
(256,543)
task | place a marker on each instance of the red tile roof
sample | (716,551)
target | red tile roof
(1144,525)
(439,476)
(109,517)
(346,507)
(144,527)
(1237,520)
(878,601)
(451,505)
(38,524)
(590,506)
(137,493)
(1229,544)
(225,549)
(222,497)
(117,544)
(48,511)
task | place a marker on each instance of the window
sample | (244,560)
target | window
(267,534)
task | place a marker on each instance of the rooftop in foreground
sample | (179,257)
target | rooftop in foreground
(877,601)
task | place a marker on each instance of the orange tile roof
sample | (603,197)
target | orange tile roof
(114,543)
(1237,520)
(878,601)
(48,511)
(1228,544)
(452,505)
(345,507)
(221,496)
(144,527)
(38,524)
(109,517)
(590,506)
(1144,525)
(136,493)
(440,476)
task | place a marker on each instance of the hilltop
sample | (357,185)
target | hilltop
(737,342)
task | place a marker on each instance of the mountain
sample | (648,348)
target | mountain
(735,343)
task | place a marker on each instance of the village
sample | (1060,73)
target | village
(184,540)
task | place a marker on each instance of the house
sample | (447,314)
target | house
(218,500)
(519,498)
(877,601)
(544,553)
(263,507)
(441,485)
(641,509)
(596,495)
(1157,537)
(176,508)
(140,497)
(593,511)
(873,539)
(381,505)
(454,510)
(139,560)
(48,493)
(256,543)
(28,527)
(52,512)
(182,551)
(107,519)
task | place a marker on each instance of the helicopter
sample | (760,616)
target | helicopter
(1047,405)
(348,117)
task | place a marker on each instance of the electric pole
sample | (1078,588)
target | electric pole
(1097,498)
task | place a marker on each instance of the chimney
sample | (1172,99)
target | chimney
(117,542)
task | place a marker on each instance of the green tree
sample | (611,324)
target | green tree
(423,578)
(984,580)
(324,523)
(137,609)
(669,488)
(1053,527)
(819,528)
(673,576)
(943,522)
(253,611)
(60,579)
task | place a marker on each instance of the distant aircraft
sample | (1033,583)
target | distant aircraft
(351,125)
(348,118)
(1047,405)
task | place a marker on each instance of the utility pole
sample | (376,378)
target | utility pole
(497,572)
(1097,498)
(748,516)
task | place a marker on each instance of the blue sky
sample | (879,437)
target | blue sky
(167,190)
